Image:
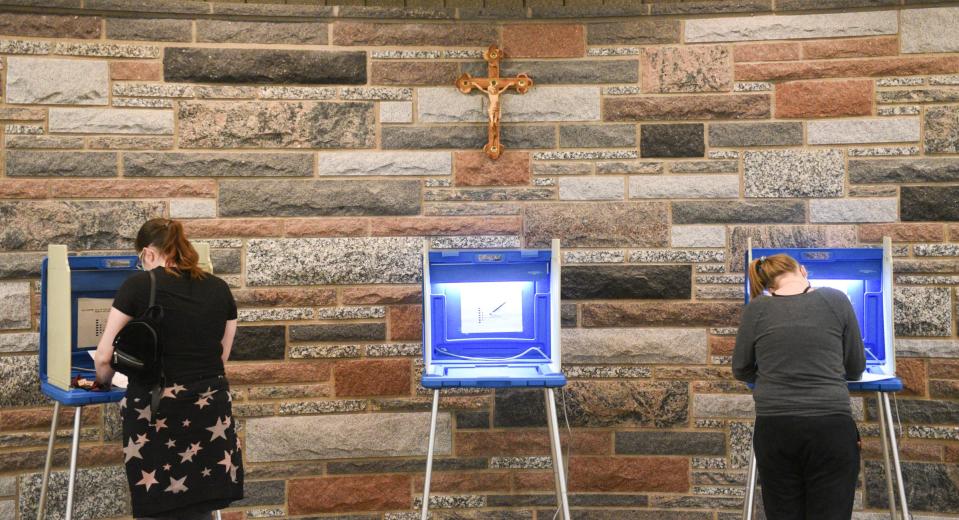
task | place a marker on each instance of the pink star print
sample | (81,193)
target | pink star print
(148,479)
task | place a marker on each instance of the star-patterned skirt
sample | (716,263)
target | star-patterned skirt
(185,456)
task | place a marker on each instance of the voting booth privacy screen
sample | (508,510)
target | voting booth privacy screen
(865,275)
(76,296)
(491,318)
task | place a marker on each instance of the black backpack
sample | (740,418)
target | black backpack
(136,348)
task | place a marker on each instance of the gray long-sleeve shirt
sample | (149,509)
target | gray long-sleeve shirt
(799,351)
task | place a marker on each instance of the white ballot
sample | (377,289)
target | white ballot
(490,307)
(91,320)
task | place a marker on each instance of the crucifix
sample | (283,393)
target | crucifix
(493,86)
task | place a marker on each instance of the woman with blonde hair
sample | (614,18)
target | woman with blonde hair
(799,346)
(180,448)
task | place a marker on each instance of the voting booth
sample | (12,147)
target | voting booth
(865,276)
(76,296)
(491,319)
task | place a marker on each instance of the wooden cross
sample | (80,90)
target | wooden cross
(493,86)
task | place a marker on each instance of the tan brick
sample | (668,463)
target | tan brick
(413,73)
(901,232)
(353,493)
(528,443)
(766,52)
(912,372)
(908,450)
(17,189)
(721,345)
(533,481)
(824,98)
(431,226)
(326,227)
(373,377)
(476,169)
(700,106)
(904,66)
(939,389)
(40,419)
(637,314)
(133,188)
(951,453)
(406,322)
(22,114)
(944,369)
(53,26)
(544,40)
(136,70)
(223,228)
(954,232)
(466,481)
(281,297)
(282,372)
(700,68)
(381,295)
(850,48)
(445,34)
(629,474)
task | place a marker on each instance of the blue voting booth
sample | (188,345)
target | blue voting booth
(865,275)
(76,296)
(491,319)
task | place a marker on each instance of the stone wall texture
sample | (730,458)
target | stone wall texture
(319,148)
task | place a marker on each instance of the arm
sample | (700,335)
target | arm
(116,320)
(853,351)
(227,342)
(744,355)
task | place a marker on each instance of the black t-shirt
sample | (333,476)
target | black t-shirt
(195,312)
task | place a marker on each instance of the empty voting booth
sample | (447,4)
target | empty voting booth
(76,295)
(491,319)
(865,275)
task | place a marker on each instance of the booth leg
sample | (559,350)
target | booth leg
(562,498)
(74,451)
(894,447)
(216,515)
(429,456)
(49,462)
(750,487)
(887,466)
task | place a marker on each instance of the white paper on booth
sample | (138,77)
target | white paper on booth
(490,307)
(91,320)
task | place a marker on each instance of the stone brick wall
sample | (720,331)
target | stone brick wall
(318,149)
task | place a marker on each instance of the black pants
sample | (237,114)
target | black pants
(808,466)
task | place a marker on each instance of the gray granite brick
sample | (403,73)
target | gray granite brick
(321,261)
(672,140)
(929,203)
(455,136)
(738,212)
(597,136)
(236,31)
(670,443)
(175,164)
(626,282)
(345,436)
(634,346)
(734,135)
(318,198)
(264,66)
(158,30)
(558,72)
(794,173)
(923,311)
(22,163)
